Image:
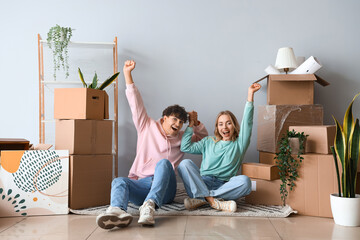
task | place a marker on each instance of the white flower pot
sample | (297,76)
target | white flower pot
(346,211)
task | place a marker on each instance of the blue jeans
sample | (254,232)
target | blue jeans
(161,188)
(198,186)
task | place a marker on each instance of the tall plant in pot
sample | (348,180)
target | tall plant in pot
(58,39)
(345,205)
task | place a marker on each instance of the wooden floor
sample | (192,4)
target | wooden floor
(177,227)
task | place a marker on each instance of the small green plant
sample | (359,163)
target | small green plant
(58,39)
(94,83)
(288,163)
(346,149)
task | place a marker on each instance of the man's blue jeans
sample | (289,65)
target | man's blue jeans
(198,186)
(161,187)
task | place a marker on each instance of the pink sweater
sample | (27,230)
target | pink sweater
(152,143)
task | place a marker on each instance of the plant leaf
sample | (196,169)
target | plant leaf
(95,81)
(82,78)
(108,81)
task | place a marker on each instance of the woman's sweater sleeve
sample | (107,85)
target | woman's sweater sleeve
(246,126)
(191,147)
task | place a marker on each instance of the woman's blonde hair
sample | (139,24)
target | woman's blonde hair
(234,121)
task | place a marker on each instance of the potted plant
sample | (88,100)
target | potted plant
(94,83)
(345,205)
(58,39)
(289,162)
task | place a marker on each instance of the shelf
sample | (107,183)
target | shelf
(85,44)
(70,82)
(53,120)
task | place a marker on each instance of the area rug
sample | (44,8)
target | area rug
(177,208)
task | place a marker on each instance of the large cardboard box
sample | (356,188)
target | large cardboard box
(34,182)
(291,89)
(80,103)
(90,180)
(260,171)
(274,120)
(84,136)
(265,192)
(320,137)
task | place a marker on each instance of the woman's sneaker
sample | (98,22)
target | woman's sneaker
(113,217)
(193,203)
(147,210)
(227,206)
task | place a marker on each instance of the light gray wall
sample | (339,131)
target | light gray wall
(200,54)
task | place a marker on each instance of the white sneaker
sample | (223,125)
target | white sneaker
(193,203)
(227,206)
(114,216)
(147,213)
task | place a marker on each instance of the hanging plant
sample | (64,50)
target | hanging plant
(289,163)
(58,39)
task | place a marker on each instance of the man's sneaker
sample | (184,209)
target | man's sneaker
(147,213)
(227,206)
(113,217)
(193,203)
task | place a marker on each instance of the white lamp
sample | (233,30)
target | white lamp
(285,59)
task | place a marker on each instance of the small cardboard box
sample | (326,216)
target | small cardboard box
(260,171)
(84,136)
(34,182)
(265,192)
(80,103)
(14,144)
(267,158)
(320,137)
(274,120)
(90,180)
(291,89)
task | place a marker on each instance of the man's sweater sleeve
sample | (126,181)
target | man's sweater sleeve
(136,104)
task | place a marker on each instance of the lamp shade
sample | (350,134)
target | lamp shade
(285,59)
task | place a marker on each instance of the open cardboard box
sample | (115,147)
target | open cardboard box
(291,89)
(81,103)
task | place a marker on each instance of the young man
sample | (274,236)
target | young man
(151,181)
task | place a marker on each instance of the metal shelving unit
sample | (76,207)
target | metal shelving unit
(42,83)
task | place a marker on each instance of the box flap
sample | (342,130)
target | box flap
(295,77)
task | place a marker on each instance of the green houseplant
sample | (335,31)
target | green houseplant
(94,83)
(58,39)
(345,205)
(289,163)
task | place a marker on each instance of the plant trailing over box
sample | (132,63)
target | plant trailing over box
(346,149)
(58,39)
(94,83)
(288,163)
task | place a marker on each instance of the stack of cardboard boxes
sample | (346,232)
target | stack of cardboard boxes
(81,128)
(290,100)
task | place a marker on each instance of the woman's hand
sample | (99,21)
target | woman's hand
(253,89)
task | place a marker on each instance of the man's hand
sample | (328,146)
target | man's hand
(129,65)
(193,119)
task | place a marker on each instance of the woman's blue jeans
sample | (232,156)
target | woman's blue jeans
(198,186)
(161,188)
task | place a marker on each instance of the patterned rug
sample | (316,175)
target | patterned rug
(177,208)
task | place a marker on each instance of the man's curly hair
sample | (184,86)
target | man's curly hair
(176,111)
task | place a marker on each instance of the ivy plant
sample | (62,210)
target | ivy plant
(58,39)
(289,163)
(94,83)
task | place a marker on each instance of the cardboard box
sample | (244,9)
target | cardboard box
(80,103)
(84,136)
(291,89)
(34,182)
(260,171)
(265,192)
(320,137)
(274,120)
(14,144)
(90,180)
(267,158)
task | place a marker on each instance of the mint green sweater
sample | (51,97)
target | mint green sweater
(221,159)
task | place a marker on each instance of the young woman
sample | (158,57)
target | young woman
(222,157)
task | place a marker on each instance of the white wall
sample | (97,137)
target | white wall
(200,54)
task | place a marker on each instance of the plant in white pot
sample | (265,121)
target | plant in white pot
(345,205)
